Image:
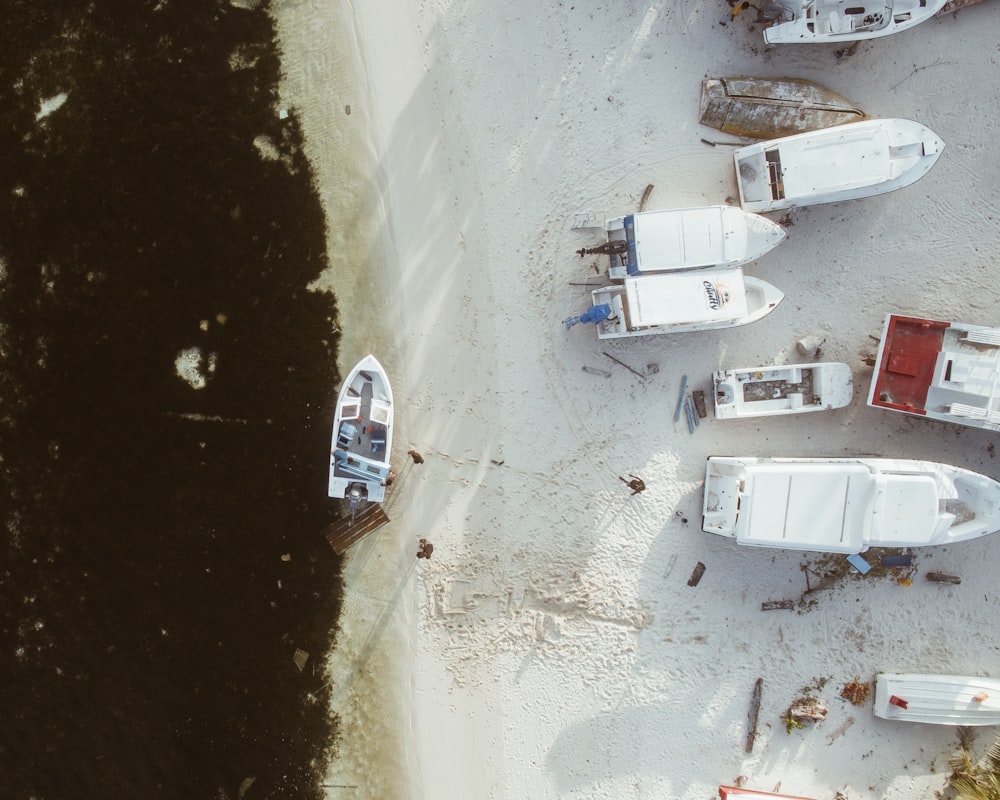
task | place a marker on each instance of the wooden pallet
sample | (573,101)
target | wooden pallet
(343,533)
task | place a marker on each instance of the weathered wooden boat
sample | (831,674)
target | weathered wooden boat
(846,505)
(678,302)
(812,21)
(938,699)
(768,108)
(785,389)
(847,162)
(736,793)
(362,435)
(948,371)
(687,238)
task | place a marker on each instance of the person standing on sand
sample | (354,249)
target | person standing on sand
(417,458)
(637,484)
(426,548)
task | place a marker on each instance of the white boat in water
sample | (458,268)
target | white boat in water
(846,162)
(786,389)
(799,21)
(687,238)
(737,793)
(766,108)
(678,302)
(938,699)
(948,371)
(362,435)
(846,505)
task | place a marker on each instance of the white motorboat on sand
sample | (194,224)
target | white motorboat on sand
(948,371)
(362,435)
(818,21)
(938,699)
(686,238)
(678,302)
(846,505)
(846,162)
(784,389)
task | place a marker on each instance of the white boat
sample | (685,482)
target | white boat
(678,302)
(938,699)
(736,793)
(800,21)
(846,162)
(766,108)
(362,435)
(948,371)
(846,505)
(687,238)
(786,389)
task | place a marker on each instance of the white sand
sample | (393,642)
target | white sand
(552,647)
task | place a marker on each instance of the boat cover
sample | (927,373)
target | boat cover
(806,506)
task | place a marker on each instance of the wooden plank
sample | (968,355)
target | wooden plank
(754,714)
(343,533)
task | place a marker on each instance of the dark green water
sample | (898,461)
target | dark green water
(160,557)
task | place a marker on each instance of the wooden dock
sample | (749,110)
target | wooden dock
(343,533)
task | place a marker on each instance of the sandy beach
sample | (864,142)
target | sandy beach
(552,646)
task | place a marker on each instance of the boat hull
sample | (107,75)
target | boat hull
(736,793)
(937,699)
(846,505)
(362,434)
(847,162)
(766,108)
(778,390)
(826,21)
(683,302)
(680,239)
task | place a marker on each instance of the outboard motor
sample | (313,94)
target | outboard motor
(355,494)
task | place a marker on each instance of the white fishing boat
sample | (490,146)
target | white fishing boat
(786,389)
(686,238)
(737,793)
(811,21)
(362,435)
(938,699)
(846,162)
(948,371)
(767,108)
(846,505)
(678,302)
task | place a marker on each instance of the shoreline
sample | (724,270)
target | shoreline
(557,647)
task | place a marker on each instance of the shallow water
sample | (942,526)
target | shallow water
(166,381)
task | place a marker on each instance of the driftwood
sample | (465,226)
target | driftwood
(940,577)
(699,570)
(754,714)
(645,197)
(774,605)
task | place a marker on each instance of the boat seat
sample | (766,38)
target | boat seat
(378,440)
(348,430)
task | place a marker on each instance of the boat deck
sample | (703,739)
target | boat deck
(907,361)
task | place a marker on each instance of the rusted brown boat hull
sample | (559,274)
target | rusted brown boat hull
(769,108)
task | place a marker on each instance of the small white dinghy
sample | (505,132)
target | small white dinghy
(846,162)
(686,238)
(786,389)
(801,21)
(362,435)
(938,699)
(846,505)
(678,302)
